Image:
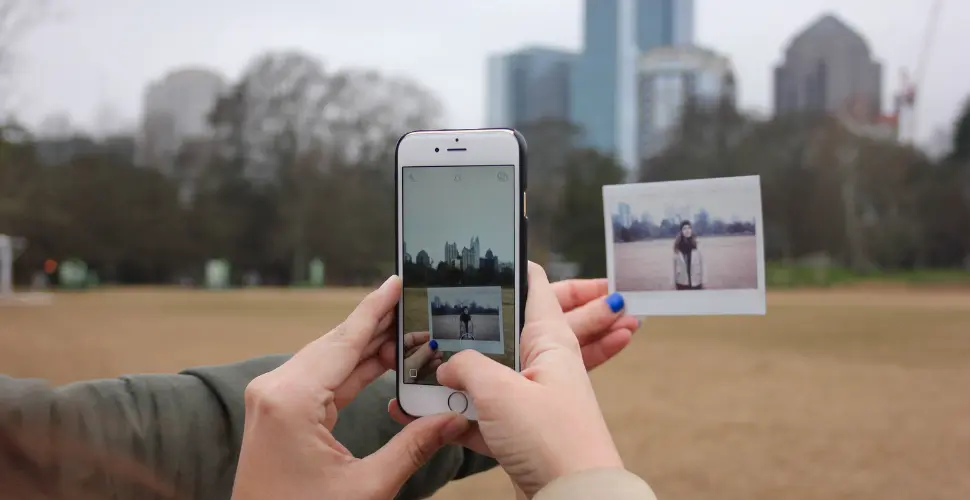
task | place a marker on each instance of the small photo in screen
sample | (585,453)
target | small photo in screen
(459,265)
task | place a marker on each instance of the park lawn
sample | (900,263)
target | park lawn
(838,393)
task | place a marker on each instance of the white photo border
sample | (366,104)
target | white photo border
(482,346)
(697,302)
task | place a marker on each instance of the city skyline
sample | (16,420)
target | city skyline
(597,87)
(438,209)
(455,251)
(727,203)
(483,300)
(78,47)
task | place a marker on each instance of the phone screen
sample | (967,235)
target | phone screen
(459,265)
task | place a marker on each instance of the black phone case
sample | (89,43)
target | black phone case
(523,261)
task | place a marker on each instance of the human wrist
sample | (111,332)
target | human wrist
(562,464)
(611,482)
(606,458)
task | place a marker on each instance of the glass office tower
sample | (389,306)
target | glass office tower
(604,87)
(529,85)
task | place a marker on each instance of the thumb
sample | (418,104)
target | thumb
(411,448)
(472,372)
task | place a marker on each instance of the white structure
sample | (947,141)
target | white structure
(668,78)
(6,265)
(176,109)
(10,249)
(498,93)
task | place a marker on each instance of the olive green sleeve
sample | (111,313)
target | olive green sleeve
(187,428)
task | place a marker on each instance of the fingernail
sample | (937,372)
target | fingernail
(454,428)
(433,345)
(639,323)
(615,302)
(388,280)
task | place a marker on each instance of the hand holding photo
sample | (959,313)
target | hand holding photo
(421,356)
(686,247)
(467,318)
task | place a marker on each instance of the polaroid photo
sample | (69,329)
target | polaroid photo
(681,248)
(467,318)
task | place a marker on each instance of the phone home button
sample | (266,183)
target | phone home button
(457,402)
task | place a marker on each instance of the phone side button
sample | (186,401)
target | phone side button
(457,402)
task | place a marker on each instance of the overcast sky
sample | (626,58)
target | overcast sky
(453,204)
(103,52)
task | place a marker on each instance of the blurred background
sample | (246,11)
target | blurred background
(151,152)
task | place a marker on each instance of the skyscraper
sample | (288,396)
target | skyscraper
(625,217)
(176,109)
(451,252)
(829,68)
(604,79)
(527,86)
(476,248)
(668,78)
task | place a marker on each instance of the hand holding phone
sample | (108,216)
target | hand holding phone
(546,424)
(461,229)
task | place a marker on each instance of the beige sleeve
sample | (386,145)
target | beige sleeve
(606,484)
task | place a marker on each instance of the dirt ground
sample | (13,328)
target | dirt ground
(832,395)
(730,262)
(484,326)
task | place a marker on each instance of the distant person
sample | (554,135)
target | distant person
(179,435)
(466,325)
(688,261)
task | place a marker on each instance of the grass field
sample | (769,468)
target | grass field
(485,327)
(833,395)
(730,262)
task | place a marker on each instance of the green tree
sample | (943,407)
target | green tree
(550,144)
(579,229)
(960,151)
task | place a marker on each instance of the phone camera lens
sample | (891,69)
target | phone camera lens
(456,139)
(435,150)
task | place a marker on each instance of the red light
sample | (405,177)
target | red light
(50,266)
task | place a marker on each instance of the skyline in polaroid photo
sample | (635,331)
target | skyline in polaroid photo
(693,247)
(467,318)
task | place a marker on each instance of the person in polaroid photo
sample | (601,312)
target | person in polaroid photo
(466,325)
(688,260)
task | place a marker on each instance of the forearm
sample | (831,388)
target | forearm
(135,437)
(187,429)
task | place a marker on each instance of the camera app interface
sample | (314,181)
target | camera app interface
(458,227)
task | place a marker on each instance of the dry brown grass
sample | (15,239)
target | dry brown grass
(730,263)
(832,395)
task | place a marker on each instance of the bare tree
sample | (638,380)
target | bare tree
(373,111)
(289,121)
(17,17)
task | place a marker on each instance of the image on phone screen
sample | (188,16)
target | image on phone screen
(459,265)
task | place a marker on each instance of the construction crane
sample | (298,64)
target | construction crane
(910,83)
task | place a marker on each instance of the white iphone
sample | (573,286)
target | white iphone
(461,253)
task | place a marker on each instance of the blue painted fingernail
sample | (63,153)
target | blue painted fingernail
(615,302)
(434,345)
